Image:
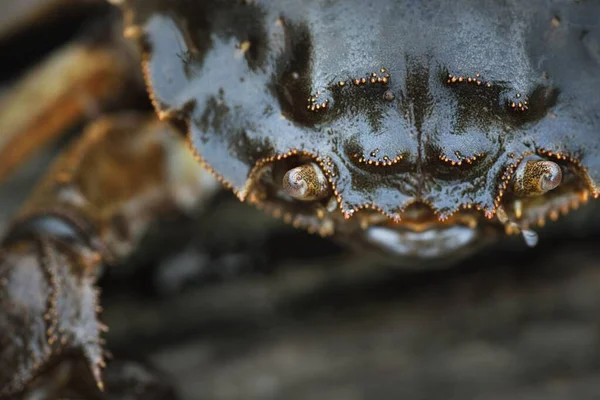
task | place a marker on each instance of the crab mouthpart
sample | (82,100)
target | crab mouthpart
(420,233)
(430,243)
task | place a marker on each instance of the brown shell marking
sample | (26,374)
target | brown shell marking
(374,160)
(382,78)
(460,159)
(452,79)
(520,103)
(315,105)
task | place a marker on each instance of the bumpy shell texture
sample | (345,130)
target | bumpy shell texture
(398,101)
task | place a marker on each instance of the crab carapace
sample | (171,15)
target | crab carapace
(421,129)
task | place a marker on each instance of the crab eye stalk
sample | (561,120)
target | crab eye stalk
(535,177)
(306,183)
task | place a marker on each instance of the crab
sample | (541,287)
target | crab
(414,131)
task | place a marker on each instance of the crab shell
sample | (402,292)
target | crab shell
(397,102)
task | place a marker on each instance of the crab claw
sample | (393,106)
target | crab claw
(47,311)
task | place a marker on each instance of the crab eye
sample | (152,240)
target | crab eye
(306,182)
(535,176)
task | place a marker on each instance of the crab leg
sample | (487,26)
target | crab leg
(19,15)
(76,81)
(91,210)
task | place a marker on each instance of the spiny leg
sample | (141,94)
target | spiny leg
(92,209)
(76,81)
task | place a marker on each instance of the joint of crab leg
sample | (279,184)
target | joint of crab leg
(535,176)
(531,238)
(66,225)
(306,182)
(92,209)
(47,292)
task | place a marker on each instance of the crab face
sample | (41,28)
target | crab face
(419,128)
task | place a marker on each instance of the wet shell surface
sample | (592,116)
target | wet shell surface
(398,103)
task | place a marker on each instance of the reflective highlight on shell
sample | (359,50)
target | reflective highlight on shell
(401,128)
